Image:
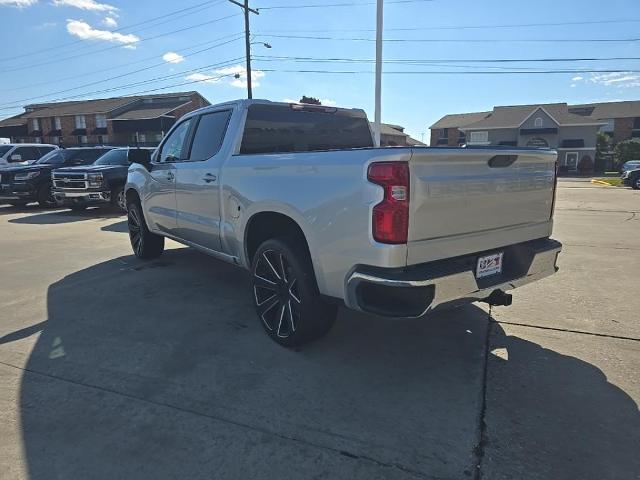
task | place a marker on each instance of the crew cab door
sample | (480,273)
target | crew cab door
(198,181)
(160,201)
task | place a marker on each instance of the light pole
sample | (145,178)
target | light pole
(378,91)
(247,42)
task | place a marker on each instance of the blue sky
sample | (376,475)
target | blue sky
(96,34)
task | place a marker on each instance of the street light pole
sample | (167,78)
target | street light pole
(378,91)
(247,41)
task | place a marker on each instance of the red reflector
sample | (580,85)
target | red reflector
(390,222)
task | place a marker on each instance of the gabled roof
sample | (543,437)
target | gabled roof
(13,121)
(457,120)
(514,116)
(606,110)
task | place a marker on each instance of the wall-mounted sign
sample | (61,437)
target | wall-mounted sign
(538,142)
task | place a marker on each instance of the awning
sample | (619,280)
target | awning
(575,143)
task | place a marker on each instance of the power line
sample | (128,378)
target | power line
(207,4)
(346,4)
(444,72)
(218,65)
(437,40)
(462,27)
(19,102)
(58,60)
(444,60)
(110,68)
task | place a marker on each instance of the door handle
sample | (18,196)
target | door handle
(210,177)
(170,176)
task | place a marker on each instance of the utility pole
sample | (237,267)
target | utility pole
(247,41)
(378,92)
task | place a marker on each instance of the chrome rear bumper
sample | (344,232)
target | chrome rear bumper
(415,291)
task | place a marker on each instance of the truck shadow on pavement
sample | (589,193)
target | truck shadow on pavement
(161,370)
(54,217)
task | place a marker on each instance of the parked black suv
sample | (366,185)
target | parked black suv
(632,178)
(98,184)
(32,183)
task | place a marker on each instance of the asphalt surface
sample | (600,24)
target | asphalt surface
(111,367)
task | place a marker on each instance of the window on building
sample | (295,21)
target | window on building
(38,140)
(479,137)
(209,135)
(462,137)
(81,122)
(444,133)
(635,133)
(142,137)
(609,126)
(57,123)
(35,124)
(538,122)
(101,121)
(82,139)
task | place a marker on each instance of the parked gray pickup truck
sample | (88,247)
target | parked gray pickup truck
(298,195)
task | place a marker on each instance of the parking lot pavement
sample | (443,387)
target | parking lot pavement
(115,368)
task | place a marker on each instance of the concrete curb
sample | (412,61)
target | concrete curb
(600,182)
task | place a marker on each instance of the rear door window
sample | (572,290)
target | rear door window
(283,128)
(209,135)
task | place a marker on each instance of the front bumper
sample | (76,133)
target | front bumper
(18,191)
(415,290)
(82,198)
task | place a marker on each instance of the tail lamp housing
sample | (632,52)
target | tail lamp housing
(390,217)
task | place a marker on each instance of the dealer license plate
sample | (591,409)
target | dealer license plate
(489,265)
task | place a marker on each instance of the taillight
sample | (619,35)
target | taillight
(391,215)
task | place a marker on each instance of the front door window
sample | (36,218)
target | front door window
(571,160)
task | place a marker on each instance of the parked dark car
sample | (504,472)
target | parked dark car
(630,165)
(101,183)
(631,178)
(32,183)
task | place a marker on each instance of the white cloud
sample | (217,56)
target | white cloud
(201,77)
(131,46)
(109,22)
(616,79)
(85,31)
(230,74)
(17,3)
(573,85)
(85,5)
(172,57)
(577,79)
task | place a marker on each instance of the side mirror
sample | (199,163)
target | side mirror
(16,157)
(140,156)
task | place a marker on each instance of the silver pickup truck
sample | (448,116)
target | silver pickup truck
(298,195)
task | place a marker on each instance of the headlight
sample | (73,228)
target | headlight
(95,179)
(26,175)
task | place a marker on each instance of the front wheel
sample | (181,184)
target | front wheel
(45,196)
(119,199)
(285,294)
(635,184)
(146,245)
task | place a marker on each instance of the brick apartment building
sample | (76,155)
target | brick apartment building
(571,129)
(141,120)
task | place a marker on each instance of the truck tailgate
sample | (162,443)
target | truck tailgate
(470,200)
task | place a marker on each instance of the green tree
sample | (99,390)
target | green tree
(627,150)
(310,100)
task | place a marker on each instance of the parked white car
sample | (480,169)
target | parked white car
(16,154)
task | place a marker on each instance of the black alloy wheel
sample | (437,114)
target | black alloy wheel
(146,245)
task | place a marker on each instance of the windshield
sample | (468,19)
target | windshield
(4,149)
(53,157)
(631,165)
(114,157)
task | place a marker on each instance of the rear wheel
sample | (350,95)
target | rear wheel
(285,294)
(45,196)
(145,244)
(119,199)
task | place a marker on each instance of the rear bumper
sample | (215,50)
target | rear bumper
(413,291)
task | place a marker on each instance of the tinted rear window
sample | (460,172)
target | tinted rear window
(279,128)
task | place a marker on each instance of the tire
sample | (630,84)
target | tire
(635,183)
(146,245)
(45,196)
(285,294)
(119,199)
